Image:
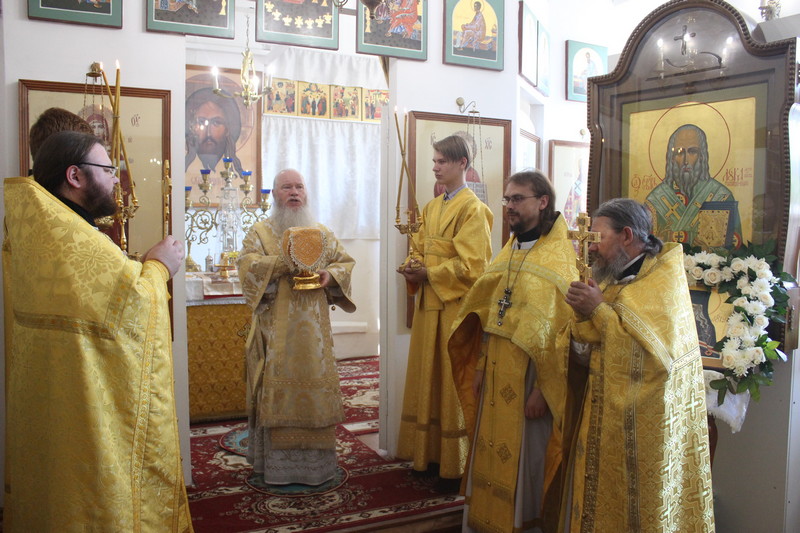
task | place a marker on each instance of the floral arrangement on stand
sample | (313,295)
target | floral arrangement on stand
(755,286)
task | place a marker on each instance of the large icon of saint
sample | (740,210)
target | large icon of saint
(689,205)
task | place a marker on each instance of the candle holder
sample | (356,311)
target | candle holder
(231,219)
(413,221)
(125,191)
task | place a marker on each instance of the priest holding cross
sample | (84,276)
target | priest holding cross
(640,456)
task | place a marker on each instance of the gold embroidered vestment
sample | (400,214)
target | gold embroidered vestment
(455,241)
(641,458)
(293,387)
(92,437)
(535,328)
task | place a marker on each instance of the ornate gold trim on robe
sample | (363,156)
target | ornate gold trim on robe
(641,456)
(538,324)
(92,438)
(293,387)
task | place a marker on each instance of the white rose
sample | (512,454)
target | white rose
(714,260)
(757,355)
(737,265)
(712,277)
(727,273)
(743,282)
(728,360)
(766,299)
(688,262)
(741,301)
(760,321)
(747,290)
(696,273)
(737,330)
(764,274)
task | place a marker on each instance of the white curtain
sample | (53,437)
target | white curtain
(324,66)
(340,162)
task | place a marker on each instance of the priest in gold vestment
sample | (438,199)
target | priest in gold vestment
(293,395)
(92,437)
(455,246)
(517,315)
(640,459)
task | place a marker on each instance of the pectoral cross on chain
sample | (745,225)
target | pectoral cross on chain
(504,304)
(584,238)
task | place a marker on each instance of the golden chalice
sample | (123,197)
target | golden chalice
(304,249)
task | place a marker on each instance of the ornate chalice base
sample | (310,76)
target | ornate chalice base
(306,281)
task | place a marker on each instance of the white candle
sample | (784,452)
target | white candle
(215,74)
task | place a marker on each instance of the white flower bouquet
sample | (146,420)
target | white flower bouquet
(759,298)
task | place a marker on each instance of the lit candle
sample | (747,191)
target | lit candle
(764,3)
(215,75)
(256,83)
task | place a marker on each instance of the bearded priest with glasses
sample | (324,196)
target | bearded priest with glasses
(92,436)
(512,335)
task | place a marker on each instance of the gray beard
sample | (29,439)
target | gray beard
(686,181)
(283,218)
(603,271)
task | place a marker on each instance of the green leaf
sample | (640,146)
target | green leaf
(721,396)
(743,385)
(719,384)
(755,392)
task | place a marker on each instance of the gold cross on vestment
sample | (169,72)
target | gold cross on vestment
(672,209)
(584,238)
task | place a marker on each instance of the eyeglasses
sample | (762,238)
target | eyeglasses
(517,198)
(110,169)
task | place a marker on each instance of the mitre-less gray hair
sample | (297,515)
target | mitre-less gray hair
(625,212)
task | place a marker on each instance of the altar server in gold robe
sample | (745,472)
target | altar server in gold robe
(293,395)
(92,437)
(516,319)
(454,247)
(640,460)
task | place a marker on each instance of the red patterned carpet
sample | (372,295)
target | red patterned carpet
(376,489)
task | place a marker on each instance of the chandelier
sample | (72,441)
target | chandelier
(251,91)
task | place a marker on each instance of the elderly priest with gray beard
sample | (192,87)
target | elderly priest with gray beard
(292,269)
